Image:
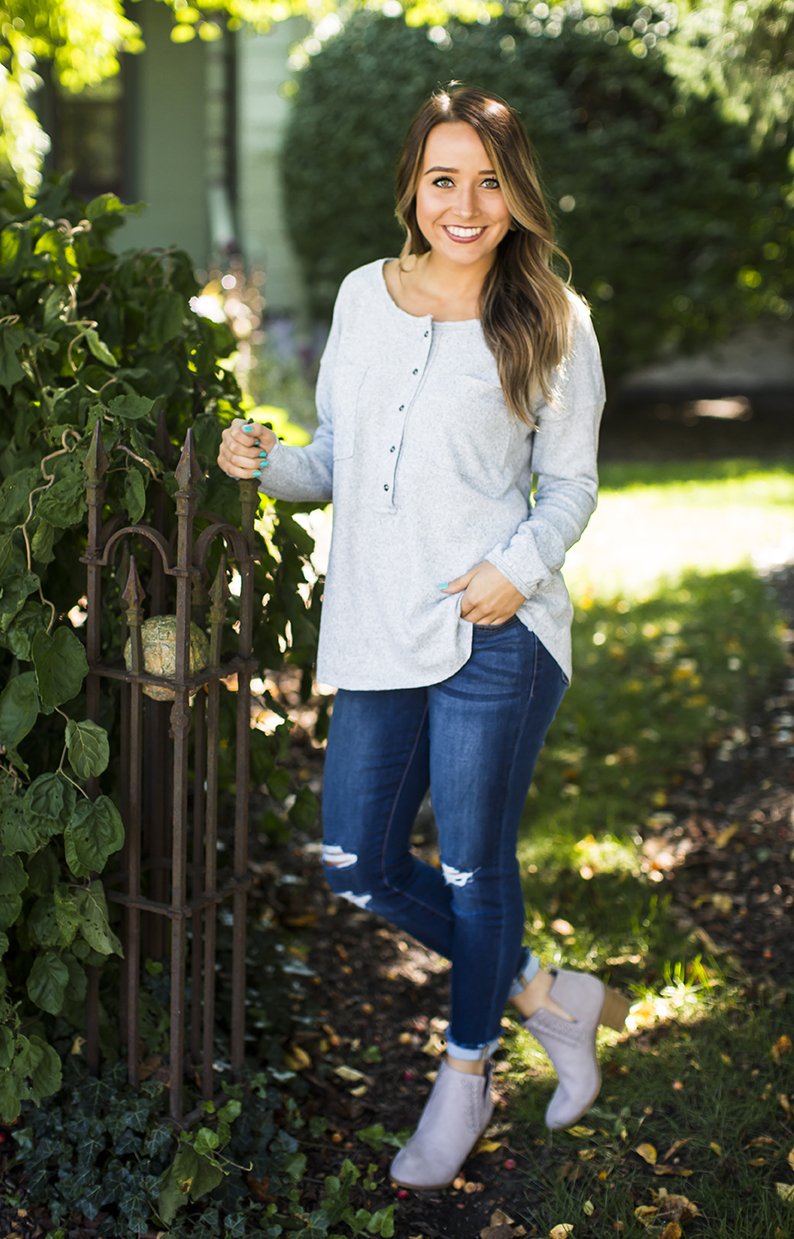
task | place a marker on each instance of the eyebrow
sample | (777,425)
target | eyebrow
(485,172)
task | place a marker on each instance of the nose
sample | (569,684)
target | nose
(465,203)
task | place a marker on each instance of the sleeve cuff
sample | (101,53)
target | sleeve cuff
(525,583)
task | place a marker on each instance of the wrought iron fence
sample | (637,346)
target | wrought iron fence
(169,886)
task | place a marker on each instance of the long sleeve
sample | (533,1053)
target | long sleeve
(305,474)
(564,460)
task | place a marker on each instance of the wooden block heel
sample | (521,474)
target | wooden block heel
(615,1009)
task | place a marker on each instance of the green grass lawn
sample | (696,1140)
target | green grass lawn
(676,639)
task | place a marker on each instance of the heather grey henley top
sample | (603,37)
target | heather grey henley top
(430,474)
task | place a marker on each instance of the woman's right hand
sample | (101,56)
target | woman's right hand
(244,448)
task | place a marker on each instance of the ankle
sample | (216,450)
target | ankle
(468,1066)
(536,995)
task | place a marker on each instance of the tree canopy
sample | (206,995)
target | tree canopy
(742,51)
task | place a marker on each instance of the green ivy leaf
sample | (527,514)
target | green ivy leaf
(134,495)
(47,981)
(19,709)
(45,1079)
(94,832)
(6,549)
(12,597)
(67,914)
(87,746)
(60,664)
(17,834)
(63,505)
(11,341)
(6,1047)
(130,407)
(13,880)
(49,801)
(42,924)
(93,922)
(42,542)
(12,1094)
(23,627)
(15,491)
(99,348)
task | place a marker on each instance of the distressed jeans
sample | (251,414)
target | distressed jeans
(473,739)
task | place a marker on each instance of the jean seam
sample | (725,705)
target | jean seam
(519,730)
(397,889)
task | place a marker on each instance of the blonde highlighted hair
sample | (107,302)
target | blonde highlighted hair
(524,308)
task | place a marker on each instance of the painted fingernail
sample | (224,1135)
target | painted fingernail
(444,585)
(257,473)
(248,429)
(263,453)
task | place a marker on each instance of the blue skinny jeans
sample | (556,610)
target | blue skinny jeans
(473,739)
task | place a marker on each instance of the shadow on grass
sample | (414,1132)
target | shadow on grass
(619,475)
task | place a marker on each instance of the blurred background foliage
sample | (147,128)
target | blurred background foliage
(675,214)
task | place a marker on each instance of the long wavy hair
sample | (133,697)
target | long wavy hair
(524,308)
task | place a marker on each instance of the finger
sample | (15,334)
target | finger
(459,583)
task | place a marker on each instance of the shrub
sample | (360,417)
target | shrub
(90,336)
(677,227)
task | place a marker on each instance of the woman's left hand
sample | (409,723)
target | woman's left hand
(489,597)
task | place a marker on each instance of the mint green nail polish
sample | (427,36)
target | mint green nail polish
(257,473)
(248,429)
(444,585)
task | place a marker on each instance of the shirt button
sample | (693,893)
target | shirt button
(414,372)
(392,448)
(402,406)
(385,485)
(427,333)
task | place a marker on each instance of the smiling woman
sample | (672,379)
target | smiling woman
(446,621)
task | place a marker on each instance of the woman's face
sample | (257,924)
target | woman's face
(460,208)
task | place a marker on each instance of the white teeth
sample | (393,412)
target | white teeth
(463,232)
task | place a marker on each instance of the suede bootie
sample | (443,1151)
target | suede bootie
(570,1044)
(457,1112)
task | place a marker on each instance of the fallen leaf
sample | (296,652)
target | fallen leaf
(674,1208)
(786,1192)
(647,1152)
(674,1147)
(349,1073)
(724,837)
(296,1058)
(784,1103)
(580,1131)
(680,1170)
(587,1155)
(645,1214)
(781,1046)
(715,1148)
(588,1208)
(671,1231)
(488,1146)
(561,1231)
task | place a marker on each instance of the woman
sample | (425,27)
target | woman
(450,376)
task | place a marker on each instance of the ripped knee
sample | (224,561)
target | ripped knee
(456,877)
(336,858)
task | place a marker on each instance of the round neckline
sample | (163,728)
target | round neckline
(419,318)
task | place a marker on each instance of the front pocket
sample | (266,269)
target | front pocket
(470,431)
(498,627)
(345,389)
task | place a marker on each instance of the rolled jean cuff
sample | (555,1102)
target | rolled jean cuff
(471,1054)
(529,969)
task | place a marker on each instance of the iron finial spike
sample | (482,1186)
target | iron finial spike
(134,594)
(188,471)
(96,459)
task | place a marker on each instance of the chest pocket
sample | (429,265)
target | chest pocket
(345,395)
(473,431)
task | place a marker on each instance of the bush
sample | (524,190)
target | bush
(677,228)
(86,337)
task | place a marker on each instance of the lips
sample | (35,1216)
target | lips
(462,235)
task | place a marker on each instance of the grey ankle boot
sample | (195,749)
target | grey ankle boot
(570,1044)
(457,1112)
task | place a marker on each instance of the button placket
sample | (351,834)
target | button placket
(416,373)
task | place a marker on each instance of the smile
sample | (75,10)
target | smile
(462,234)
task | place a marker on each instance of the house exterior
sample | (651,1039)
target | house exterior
(194,131)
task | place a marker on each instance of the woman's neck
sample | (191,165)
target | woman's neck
(447,289)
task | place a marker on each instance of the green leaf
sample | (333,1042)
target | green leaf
(22,628)
(6,1046)
(166,318)
(87,746)
(305,810)
(17,834)
(63,505)
(94,832)
(42,542)
(42,924)
(99,348)
(3,944)
(93,921)
(15,491)
(12,1094)
(6,549)
(134,495)
(49,801)
(13,880)
(61,665)
(12,597)
(47,981)
(19,709)
(188,1177)
(45,1079)
(67,914)
(130,407)
(279,782)
(11,342)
